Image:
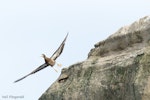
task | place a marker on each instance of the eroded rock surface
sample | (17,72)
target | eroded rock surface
(118,68)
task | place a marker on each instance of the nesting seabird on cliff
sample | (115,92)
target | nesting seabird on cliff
(48,61)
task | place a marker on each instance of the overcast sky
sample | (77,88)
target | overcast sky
(29,28)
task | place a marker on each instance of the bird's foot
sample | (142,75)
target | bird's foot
(59,65)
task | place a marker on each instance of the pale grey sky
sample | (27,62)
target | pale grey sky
(29,28)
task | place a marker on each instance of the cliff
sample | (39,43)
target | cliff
(118,68)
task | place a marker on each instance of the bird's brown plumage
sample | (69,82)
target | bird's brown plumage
(48,61)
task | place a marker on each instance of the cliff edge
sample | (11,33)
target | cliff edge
(117,68)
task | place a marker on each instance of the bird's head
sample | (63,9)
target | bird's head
(43,55)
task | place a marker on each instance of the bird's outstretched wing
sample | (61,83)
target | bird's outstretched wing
(59,50)
(34,71)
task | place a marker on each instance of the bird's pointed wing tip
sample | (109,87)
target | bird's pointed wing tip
(67,35)
(15,81)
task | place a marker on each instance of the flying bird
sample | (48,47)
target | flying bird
(48,61)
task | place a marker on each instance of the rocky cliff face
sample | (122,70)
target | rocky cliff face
(118,68)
